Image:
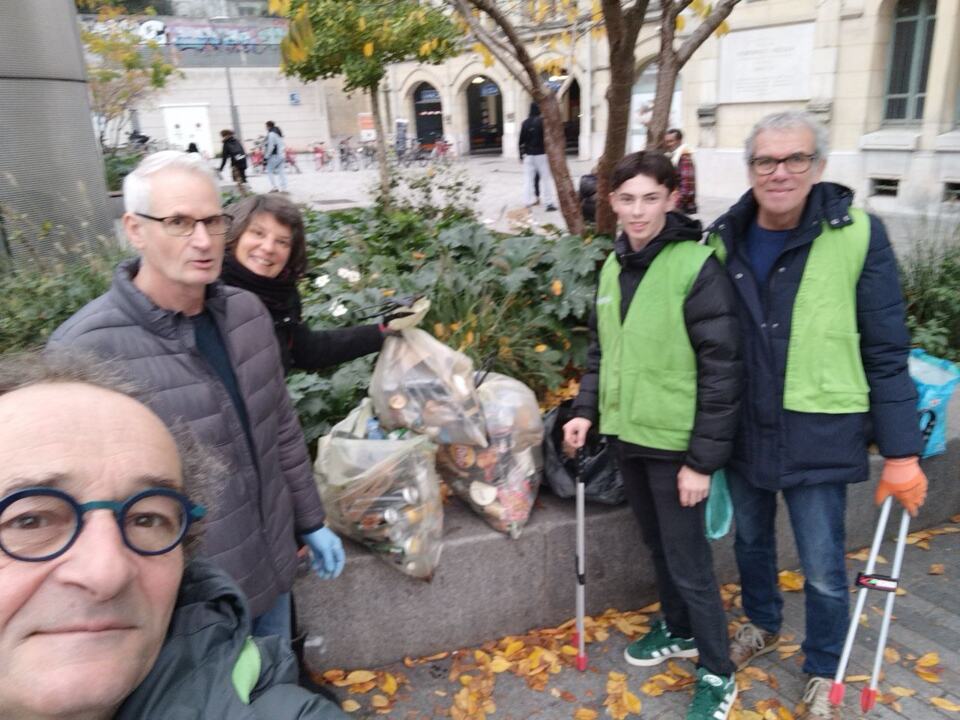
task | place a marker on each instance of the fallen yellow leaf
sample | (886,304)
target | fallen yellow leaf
(499,664)
(857,678)
(350,706)
(902,691)
(379,701)
(632,702)
(513,648)
(936,569)
(929,660)
(585,714)
(945,704)
(930,677)
(356,678)
(568,650)
(891,655)
(791,581)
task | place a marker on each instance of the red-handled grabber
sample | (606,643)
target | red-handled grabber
(867,581)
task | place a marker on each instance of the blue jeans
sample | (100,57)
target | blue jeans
(275,172)
(277,620)
(817,518)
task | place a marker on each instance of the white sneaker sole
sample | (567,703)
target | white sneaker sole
(729,706)
(657,660)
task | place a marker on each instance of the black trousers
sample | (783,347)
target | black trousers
(682,561)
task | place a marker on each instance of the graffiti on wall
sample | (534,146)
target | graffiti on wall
(197,35)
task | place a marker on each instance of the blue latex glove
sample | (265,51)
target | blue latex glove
(328,556)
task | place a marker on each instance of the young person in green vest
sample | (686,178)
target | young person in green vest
(664,377)
(825,354)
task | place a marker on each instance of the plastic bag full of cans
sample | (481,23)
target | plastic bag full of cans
(423,385)
(381,492)
(500,482)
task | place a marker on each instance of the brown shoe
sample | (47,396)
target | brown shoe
(816,701)
(750,642)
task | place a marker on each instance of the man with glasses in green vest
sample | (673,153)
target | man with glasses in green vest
(825,354)
(664,375)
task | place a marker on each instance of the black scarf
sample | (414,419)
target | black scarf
(279,294)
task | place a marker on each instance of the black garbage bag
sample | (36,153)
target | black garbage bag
(603,483)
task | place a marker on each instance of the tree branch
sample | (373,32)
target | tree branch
(499,51)
(720,13)
(536,86)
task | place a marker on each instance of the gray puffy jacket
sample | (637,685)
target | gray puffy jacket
(267,500)
(210,669)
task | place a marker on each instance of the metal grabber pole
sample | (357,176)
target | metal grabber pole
(581,563)
(837,690)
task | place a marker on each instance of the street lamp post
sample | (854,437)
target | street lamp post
(234,113)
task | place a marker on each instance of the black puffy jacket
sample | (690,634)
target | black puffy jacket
(712,326)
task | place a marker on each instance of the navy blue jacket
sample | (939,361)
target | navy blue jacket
(777,448)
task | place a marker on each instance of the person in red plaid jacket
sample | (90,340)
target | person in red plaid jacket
(682,158)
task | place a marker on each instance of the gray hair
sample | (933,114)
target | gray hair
(202,472)
(790,120)
(136,185)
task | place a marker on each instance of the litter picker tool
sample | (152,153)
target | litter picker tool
(581,567)
(869,580)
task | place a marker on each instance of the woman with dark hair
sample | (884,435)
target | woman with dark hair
(267,255)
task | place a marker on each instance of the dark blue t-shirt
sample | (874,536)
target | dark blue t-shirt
(211,347)
(763,248)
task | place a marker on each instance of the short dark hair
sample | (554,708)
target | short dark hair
(203,472)
(677,132)
(270,123)
(226,133)
(285,213)
(653,165)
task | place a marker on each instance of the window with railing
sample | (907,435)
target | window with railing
(909,60)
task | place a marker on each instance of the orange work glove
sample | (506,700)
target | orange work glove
(903,478)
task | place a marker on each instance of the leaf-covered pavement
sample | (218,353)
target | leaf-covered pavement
(534,675)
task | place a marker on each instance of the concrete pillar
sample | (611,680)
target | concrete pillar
(52,169)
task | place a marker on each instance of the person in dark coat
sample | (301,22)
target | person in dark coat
(588,195)
(825,347)
(664,376)
(208,352)
(106,610)
(534,159)
(267,255)
(233,151)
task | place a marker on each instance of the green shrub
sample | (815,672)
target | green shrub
(117,165)
(930,276)
(37,299)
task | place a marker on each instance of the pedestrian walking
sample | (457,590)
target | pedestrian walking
(825,352)
(664,376)
(534,159)
(233,151)
(275,151)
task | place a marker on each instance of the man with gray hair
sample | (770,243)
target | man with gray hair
(106,612)
(208,355)
(825,354)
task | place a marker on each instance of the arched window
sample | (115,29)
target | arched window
(913,24)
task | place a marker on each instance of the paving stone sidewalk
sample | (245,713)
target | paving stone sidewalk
(927,620)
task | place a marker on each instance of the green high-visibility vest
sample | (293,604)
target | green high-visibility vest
(824,371)
(648,370)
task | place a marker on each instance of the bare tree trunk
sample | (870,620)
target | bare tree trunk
(555,145)
(381,141)
(666,83)
(623,27)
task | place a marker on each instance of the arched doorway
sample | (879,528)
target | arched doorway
(485,115)
(641,107)
(428,112)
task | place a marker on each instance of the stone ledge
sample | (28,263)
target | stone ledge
(488,585)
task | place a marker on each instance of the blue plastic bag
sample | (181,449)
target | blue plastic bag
(719,511)
(936,380)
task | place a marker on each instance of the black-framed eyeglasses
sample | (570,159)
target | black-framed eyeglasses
(41,523)
(182,226)
(795,164)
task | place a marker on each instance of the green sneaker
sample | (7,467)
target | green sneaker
(713,696)
(658,645)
